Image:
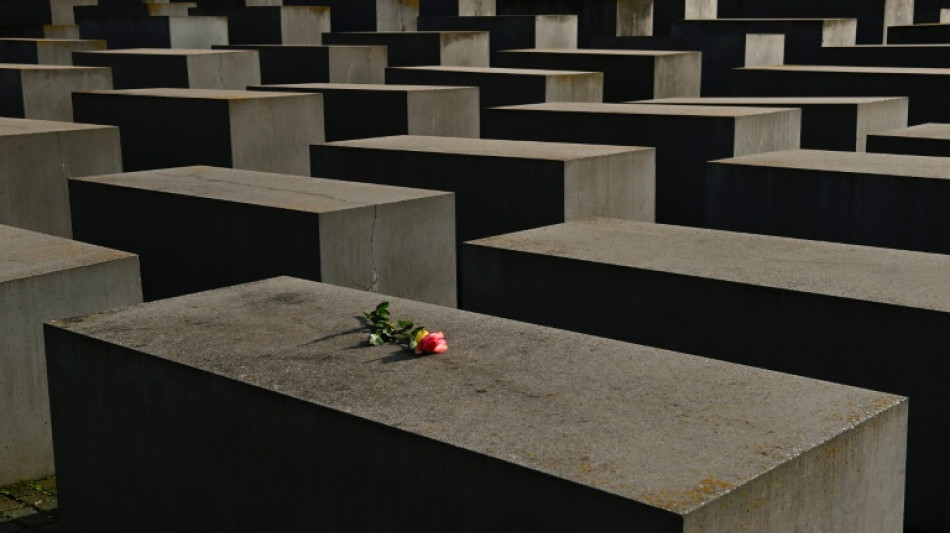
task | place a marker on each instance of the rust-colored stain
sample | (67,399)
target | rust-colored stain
(682,501)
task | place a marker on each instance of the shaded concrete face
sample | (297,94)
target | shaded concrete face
(513,32)
(887,200)
(318,64)
(43,278)
(363,111)
(905,55)
(157,32)
(195,69)
(925,139)
(33,188)
(873,16)
(43,91)
(271,24)
(451,48)
(45,52)
(243,226)
(504,421)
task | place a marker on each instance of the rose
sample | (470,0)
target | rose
(432,343)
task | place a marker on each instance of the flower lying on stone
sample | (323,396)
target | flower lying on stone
(403,333)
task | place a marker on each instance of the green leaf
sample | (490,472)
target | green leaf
(375,339)
(405,324)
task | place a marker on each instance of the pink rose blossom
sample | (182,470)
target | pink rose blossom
(432,343)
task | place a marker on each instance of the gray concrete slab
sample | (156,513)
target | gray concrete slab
(44,278)
(893,201)
(235,226)
(44,51)
(831,123)
(37,157)
(138,68)
(924,139)
(868,317)
(356,111)
(686,137)
(282,63)
(157,32)
(886,55)
(267,131)
(512,31)
(926,87)
(406,49)
(929,33)
(43,91)
(277,24)
(520,427)
(628,74)
(367,15)
(507,86)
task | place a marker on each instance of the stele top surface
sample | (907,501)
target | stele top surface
(602,52)
(280,191)
(910,166)
(165,52)
(498,71)
(25,254)
(855,70)
(649,109)
(772,100)
(930,130)
(65,68)
(365,87)
(24,126)
(670,430)
(896,277)
(489,147)
(203,94)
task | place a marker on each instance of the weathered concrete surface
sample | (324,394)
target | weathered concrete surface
(138,68)
(157,32)
(919,34)
(831,123)
(519,427)
(236,226)
(924,139)
(44,91)
(926,87)
(37,157)
(44,278)
(686,137)
(863,316)
(282,63)
(406,49)
(873,16)
(628,74)
(887,55)
(507,86)
(267,131)
(275,24)
(359,111)
(894,201)
(513,32)
(368,15)
(45,51)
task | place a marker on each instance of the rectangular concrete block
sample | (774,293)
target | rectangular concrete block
(503,186)
(272,24)
(44,91)
(686,137)
(37,157)
(833,123)
(457,8)
(368,15)
(235,226)
(357,111)
(45,31)
(138,68)
(492,436)
(628,74)
(406,49)
(285,63)
(862,316)
(894,201)
(133,9)
(507,86)
(513,32)
(924,139)
(241,129)
(43,278)
(157,32)
(45,51)
(39,12)
(926,87)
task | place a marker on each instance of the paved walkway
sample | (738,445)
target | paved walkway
(29,506)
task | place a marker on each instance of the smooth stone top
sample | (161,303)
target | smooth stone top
(407,33)
(21,66)
(648,109)
(25,126)
(602,52)
(855,70)
(281,191)
(39,40)
(911,166)
(898,277)
(771,100)
(931,130)
(165,51)
(500,71)
(316,87)
(27,254)
(204,94)
(489,147)
(671,430)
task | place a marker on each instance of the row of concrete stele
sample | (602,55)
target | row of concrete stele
(574,256)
